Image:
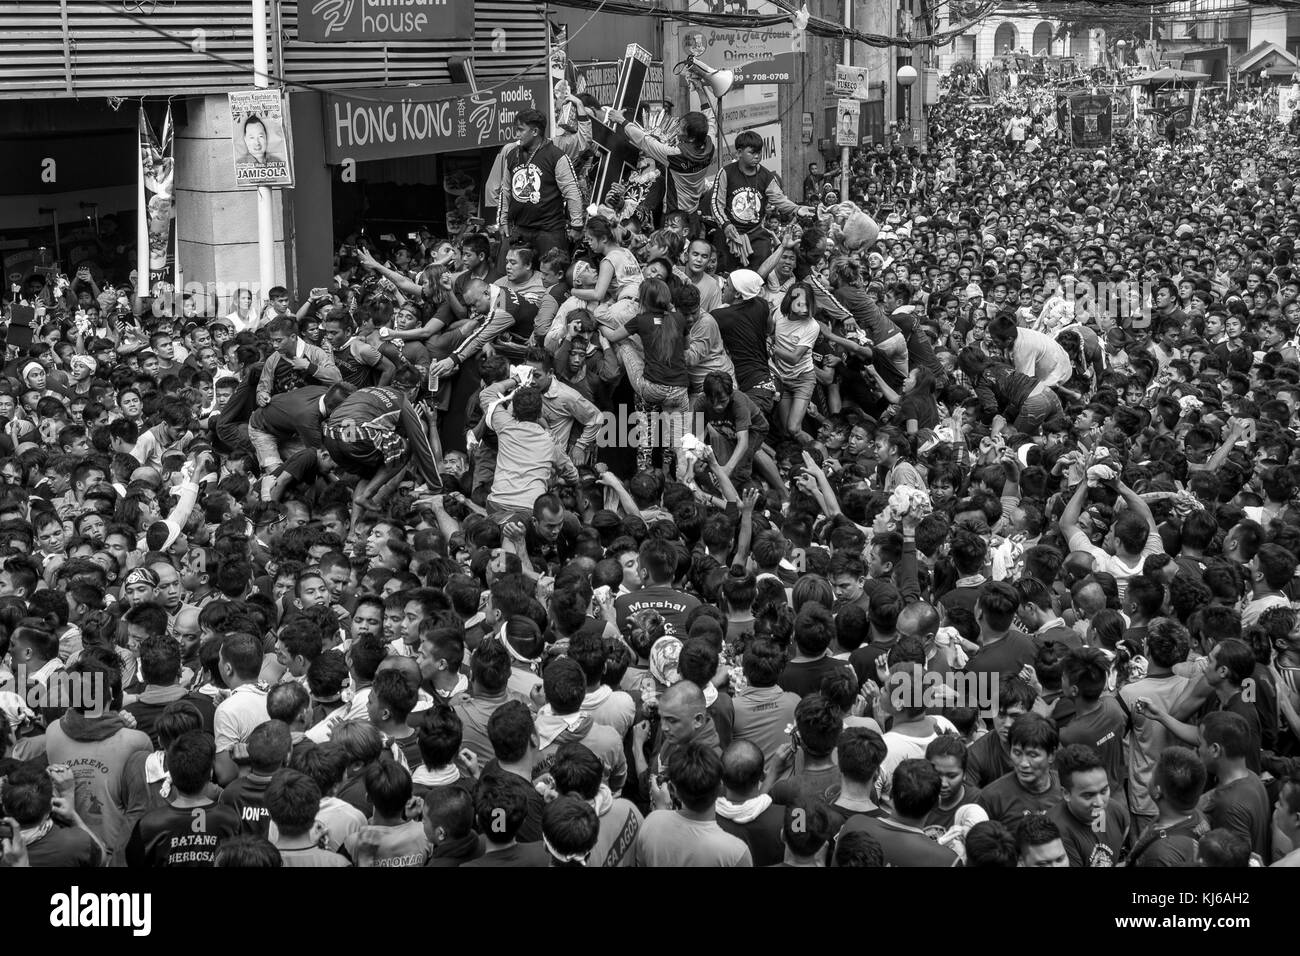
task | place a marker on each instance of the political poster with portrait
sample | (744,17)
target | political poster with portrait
(156,228)
(260,138)
(847,121)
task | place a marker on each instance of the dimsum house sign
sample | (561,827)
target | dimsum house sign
(406,121)
(337,21)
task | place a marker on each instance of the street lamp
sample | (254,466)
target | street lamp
(905,77)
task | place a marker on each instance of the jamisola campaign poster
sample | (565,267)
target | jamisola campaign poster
(259,138)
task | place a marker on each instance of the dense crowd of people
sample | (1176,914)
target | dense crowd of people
(953,525)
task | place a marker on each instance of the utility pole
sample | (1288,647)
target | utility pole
(265,228)
(848,61)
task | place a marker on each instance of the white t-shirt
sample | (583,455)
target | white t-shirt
(238,715)
(1112,564)
(1250,614)
(794,334)
(904,747)
(1040,356)
(241,324)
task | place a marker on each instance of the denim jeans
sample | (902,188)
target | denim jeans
(1035,410)
(669,400)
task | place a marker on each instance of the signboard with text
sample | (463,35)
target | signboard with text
(600,79)
(852,81)
(386,123)
(259,138)
(755,56)
(338,21)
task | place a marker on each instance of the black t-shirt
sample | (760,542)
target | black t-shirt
(1173,845)
(247,796)
(938,820)
(181,836)
(902,845)
(762,834)
(531,831)
(1006,656)
(303,466)
(1104,730)
(1243,807)
(64,847)
(146,714)
(663,337)
(741,415)
(805,677)
(987,759)
(1097,844)
(744,334)
(1249,712)
(920,351)
(521,854)
(1007,801)
(919,407)
(557,551)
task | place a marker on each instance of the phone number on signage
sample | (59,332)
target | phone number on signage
(766,77)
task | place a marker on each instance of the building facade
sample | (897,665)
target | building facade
(76,73)
(1001,35)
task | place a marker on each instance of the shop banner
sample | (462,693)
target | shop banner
(259,138)
(390,122)
(338,21)
(765,55)
(156,226)
(1090,121)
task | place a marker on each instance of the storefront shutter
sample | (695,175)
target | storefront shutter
(101,52)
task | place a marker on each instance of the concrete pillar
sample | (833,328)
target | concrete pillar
(218,223)
(310,211)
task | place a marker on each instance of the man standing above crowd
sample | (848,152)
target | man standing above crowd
(540,204)
(744,191)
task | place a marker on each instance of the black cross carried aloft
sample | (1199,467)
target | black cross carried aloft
(617,155)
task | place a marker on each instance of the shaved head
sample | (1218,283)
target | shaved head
(684,694)
(918,620)
(187,618)
(1090,598)
(408,667)
(148,476)
(742,768)
(682,712)
(1078,564)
